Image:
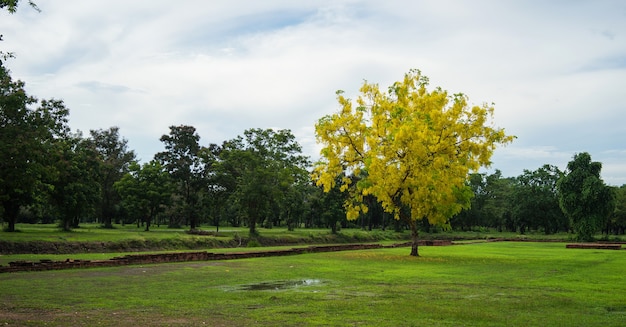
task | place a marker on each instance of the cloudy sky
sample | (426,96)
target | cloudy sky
(556,70)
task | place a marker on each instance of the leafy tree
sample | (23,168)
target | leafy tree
(26,137)
(332,211)
(181,159)
(618,219)
(416,147)
(473,215)
(75,189)
(536,202)
(145,190)
(263,166)
(490,203)
(583,196)
(215,193)
(114,159)
(11,5)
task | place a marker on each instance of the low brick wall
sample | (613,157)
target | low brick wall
(138,259)
(600,246)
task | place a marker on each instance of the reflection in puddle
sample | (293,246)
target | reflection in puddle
(280,285)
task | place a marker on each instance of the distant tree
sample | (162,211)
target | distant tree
(181,159)
(145,190)
(618,218)
(75,190)
(332,209)
(262,167)
(536,202)
(473,215)
(583,196)
(416,147)
(490,204)
(114,158)
(26,138)
(215,192)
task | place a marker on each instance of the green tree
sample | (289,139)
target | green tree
(618,219)
(11,5)
(473,215)
(75,189)
(262,166)
(145,190)
(114,158)
(26,138)
(332,210)
(536,202)
(490,203)
(583,196)
(181,159)
(416,147)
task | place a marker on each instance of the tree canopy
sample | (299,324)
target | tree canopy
(181,159)
(410,148)
(27,136)
(265,166)
(114,158)
(145,190)
(584,197)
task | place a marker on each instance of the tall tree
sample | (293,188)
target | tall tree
(181,159)
(618,219)
(416,147)
(583,196)
(264,165)
(145,190)
(75,188)
(26,137)
(115,159)
(535,200)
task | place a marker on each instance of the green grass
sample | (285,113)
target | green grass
(89,233)
(484,284)
(92,238)
(95,233)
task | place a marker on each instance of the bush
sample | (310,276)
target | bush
(253,244)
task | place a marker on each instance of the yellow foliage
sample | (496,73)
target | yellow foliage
(411,147)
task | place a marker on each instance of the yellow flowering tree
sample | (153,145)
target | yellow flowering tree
(410,148)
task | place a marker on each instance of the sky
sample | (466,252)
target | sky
(555,69)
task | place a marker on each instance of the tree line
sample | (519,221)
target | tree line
(260,178)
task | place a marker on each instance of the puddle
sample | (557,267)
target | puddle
(279,285)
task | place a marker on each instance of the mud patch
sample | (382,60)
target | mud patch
(621,309)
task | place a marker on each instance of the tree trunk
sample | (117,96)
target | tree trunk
(11,226)
(414,239)
(252,225)
(11,212)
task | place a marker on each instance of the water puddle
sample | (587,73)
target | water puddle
(280,285)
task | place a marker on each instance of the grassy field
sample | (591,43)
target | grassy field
(95,233)
(484,284)
(91,238)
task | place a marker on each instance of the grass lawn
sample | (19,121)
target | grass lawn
(484,284)
(95,233)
